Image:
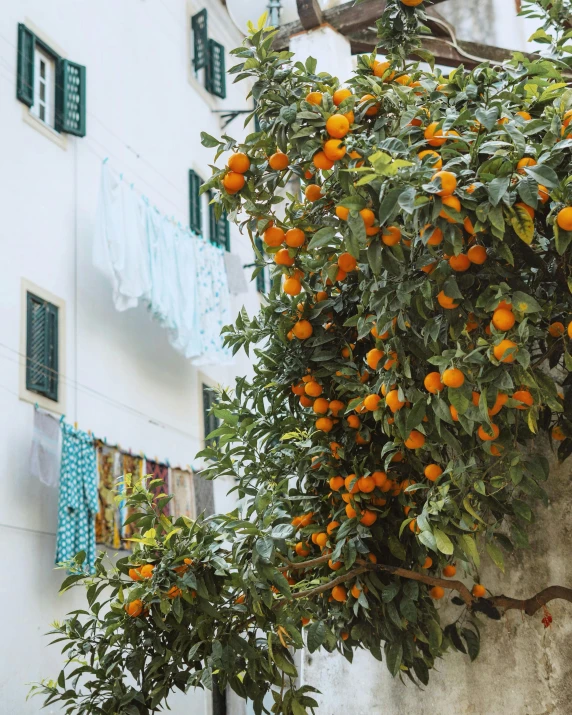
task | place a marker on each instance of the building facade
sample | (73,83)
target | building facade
(133,83)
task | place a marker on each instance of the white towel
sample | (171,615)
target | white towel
(46,451)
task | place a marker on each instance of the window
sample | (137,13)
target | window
(42,358)
(261,277)
(195,212)
(219,229)
(52,87)
(211,421)
(208,56)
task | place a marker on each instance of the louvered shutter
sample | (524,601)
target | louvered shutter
(41,347)
(25,79)
(215,79)
(261,277)
(204,495)
(219,228)
(195,218)
(211,422)
(70,98)
(200,39)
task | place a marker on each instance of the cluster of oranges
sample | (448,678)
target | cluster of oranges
(136,607)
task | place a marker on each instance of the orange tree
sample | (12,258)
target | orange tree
(413,346)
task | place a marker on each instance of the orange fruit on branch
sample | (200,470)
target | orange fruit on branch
(279,161)
(239,163)
(337,126)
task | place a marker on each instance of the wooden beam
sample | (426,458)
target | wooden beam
(310,13)
(346,19)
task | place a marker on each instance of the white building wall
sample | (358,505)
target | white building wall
(123,379)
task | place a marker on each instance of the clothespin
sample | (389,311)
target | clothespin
(36,406)
(141,454)
(89,432)
(156,460)
(75,425)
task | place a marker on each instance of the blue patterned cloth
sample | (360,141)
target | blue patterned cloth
(78,503)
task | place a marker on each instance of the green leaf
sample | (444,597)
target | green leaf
(469,546)
(394,656)
(282,660)
(264,547)
(497,189)
(416,414)
(209,141)
(396,547)
(408,610)
(473,642)
(496,555)
(316,635)
(355,235)
(522,224)
(444,543)
(487,117)
(353,203)
(524,303)
(374,257)
(543,174)
(435,635)
(322,237)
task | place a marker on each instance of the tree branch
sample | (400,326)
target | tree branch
(533,604)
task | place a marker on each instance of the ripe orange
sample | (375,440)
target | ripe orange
(564,218)
(337,126)
(366,484)
(380,68)
(479,591)
(435,159)
(313,192)
(295,238)
(393,402)
(314,97)
(503,319)
(347,262)
(273,237)
(525,397)
(342,213)
(233,182)
(373,109)
(239,163)
(348,484)
(570,330)
(321,406)
(356,590)
(279,161)
(380,478)
(332,526)
(522,163)
(135,574)
(477,254)
(433,383)
(529,210)
(335,565)
(321,539)
(500,351)
(460,263)
(336,483)
(135,608)
(557,329)
(449,571)
(321,161)
(340,95)
(292,286)
(412,3)
(353,421)
(437,593)
(454,413)
(351,513)
(453,377)
(558,434)
(373,357)
(336,406)
(302,549)
(368,517)
(371,402)
(433,472)
(339,593)
(446,302)
(283,258)
(391,235)
(486,436)
(324,424)
(368,217)
(427,563)
(435,237)
(334,149)
(543,194)
(146,571)
(500,401)
(305,401)
(415,440)
(302,329)
(313,388)
(451,202)
(448,182)
(174,592)
(413,526)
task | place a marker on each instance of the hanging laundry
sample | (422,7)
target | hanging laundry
(78,502)
(46,451)
(204,495)
(237,283)
(158,471)
(183,502)
(181,277)
(107,521)
(133,466)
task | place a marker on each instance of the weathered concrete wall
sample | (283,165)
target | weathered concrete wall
(522,668)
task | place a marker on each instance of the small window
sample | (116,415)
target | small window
(195,201)
(211,421)
(42,339)
(219,229)
(208,57)
(52,87)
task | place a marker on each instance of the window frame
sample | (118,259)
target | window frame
(59,405)
(49,104)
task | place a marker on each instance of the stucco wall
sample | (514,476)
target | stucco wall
(522,668)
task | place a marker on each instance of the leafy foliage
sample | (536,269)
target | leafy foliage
(340,531)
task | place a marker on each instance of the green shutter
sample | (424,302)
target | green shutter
(261,276)
(219,699)
(211,422)
(70,98)
(219,228)
(195,218)
(200,39)
(25,80)
(215,78)
(41,347)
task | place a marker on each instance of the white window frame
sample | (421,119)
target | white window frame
(59,405)
(44,106)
